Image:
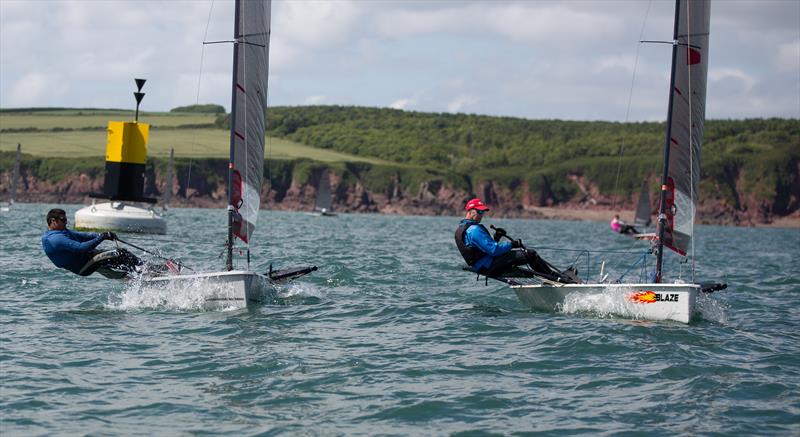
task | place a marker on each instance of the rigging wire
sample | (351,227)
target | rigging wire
(197,100)
(630,98)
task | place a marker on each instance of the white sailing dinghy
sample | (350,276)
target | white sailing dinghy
(235,288)
(14,179)
(658,300)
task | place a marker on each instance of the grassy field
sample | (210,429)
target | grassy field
(189,142)
(75,119)
(186,142)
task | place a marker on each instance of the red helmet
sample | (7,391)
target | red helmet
(476,204)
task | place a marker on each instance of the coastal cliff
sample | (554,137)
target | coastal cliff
(732,199)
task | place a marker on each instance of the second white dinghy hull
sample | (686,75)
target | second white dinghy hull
(636,301)
(233,289)
(222,290)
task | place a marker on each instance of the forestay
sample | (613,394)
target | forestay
(248,117)
(687,119)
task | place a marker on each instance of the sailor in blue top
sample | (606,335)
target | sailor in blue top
(486,255)
(76,251)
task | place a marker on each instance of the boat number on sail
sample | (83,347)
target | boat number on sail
(652,297)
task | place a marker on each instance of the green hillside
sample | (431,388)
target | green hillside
(536,151)
(756,158)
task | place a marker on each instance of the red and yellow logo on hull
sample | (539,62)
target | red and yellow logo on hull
(643,297)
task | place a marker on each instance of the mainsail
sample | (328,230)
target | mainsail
(248,114)
(686,119)
(643,211)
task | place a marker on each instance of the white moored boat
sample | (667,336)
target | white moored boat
(120,216)
(126,158)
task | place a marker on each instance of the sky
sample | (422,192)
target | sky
(534,59)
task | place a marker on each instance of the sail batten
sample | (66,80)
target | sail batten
(687,120)
(248,115)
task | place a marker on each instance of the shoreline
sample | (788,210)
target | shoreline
(532,213)
(550,213)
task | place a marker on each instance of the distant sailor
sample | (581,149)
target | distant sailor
(488,256)
(76,251)
(620,226)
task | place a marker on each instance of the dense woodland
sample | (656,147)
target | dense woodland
(756,156)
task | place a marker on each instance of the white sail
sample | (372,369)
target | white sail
(687,119)
(643,211)
(248,115)
(323,200)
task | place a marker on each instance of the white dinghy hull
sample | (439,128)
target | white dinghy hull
(120,216)
(221,290)
(637,301)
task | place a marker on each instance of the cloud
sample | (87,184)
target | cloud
(535,59)
(460,103)
(788,57)
(315,23)
(402,103)
(34,88)
(740,80)
(528,22)
(315,100)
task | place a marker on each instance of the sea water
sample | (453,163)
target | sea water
(389,336)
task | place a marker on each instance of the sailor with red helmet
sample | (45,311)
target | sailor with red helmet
(487,255)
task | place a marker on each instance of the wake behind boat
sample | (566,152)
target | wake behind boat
(237,287)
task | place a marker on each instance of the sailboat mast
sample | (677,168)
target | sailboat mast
(15,175)
(229,257)
(662,216)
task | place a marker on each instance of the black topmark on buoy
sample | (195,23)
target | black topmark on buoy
(126,154)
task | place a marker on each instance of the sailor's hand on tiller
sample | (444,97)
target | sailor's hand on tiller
(108,236)
(499,233)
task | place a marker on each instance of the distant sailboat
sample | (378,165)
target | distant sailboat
(643,217)
(658,300)
(168,181)
(322,204)
(237,287)
(14,180)
(643,211)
